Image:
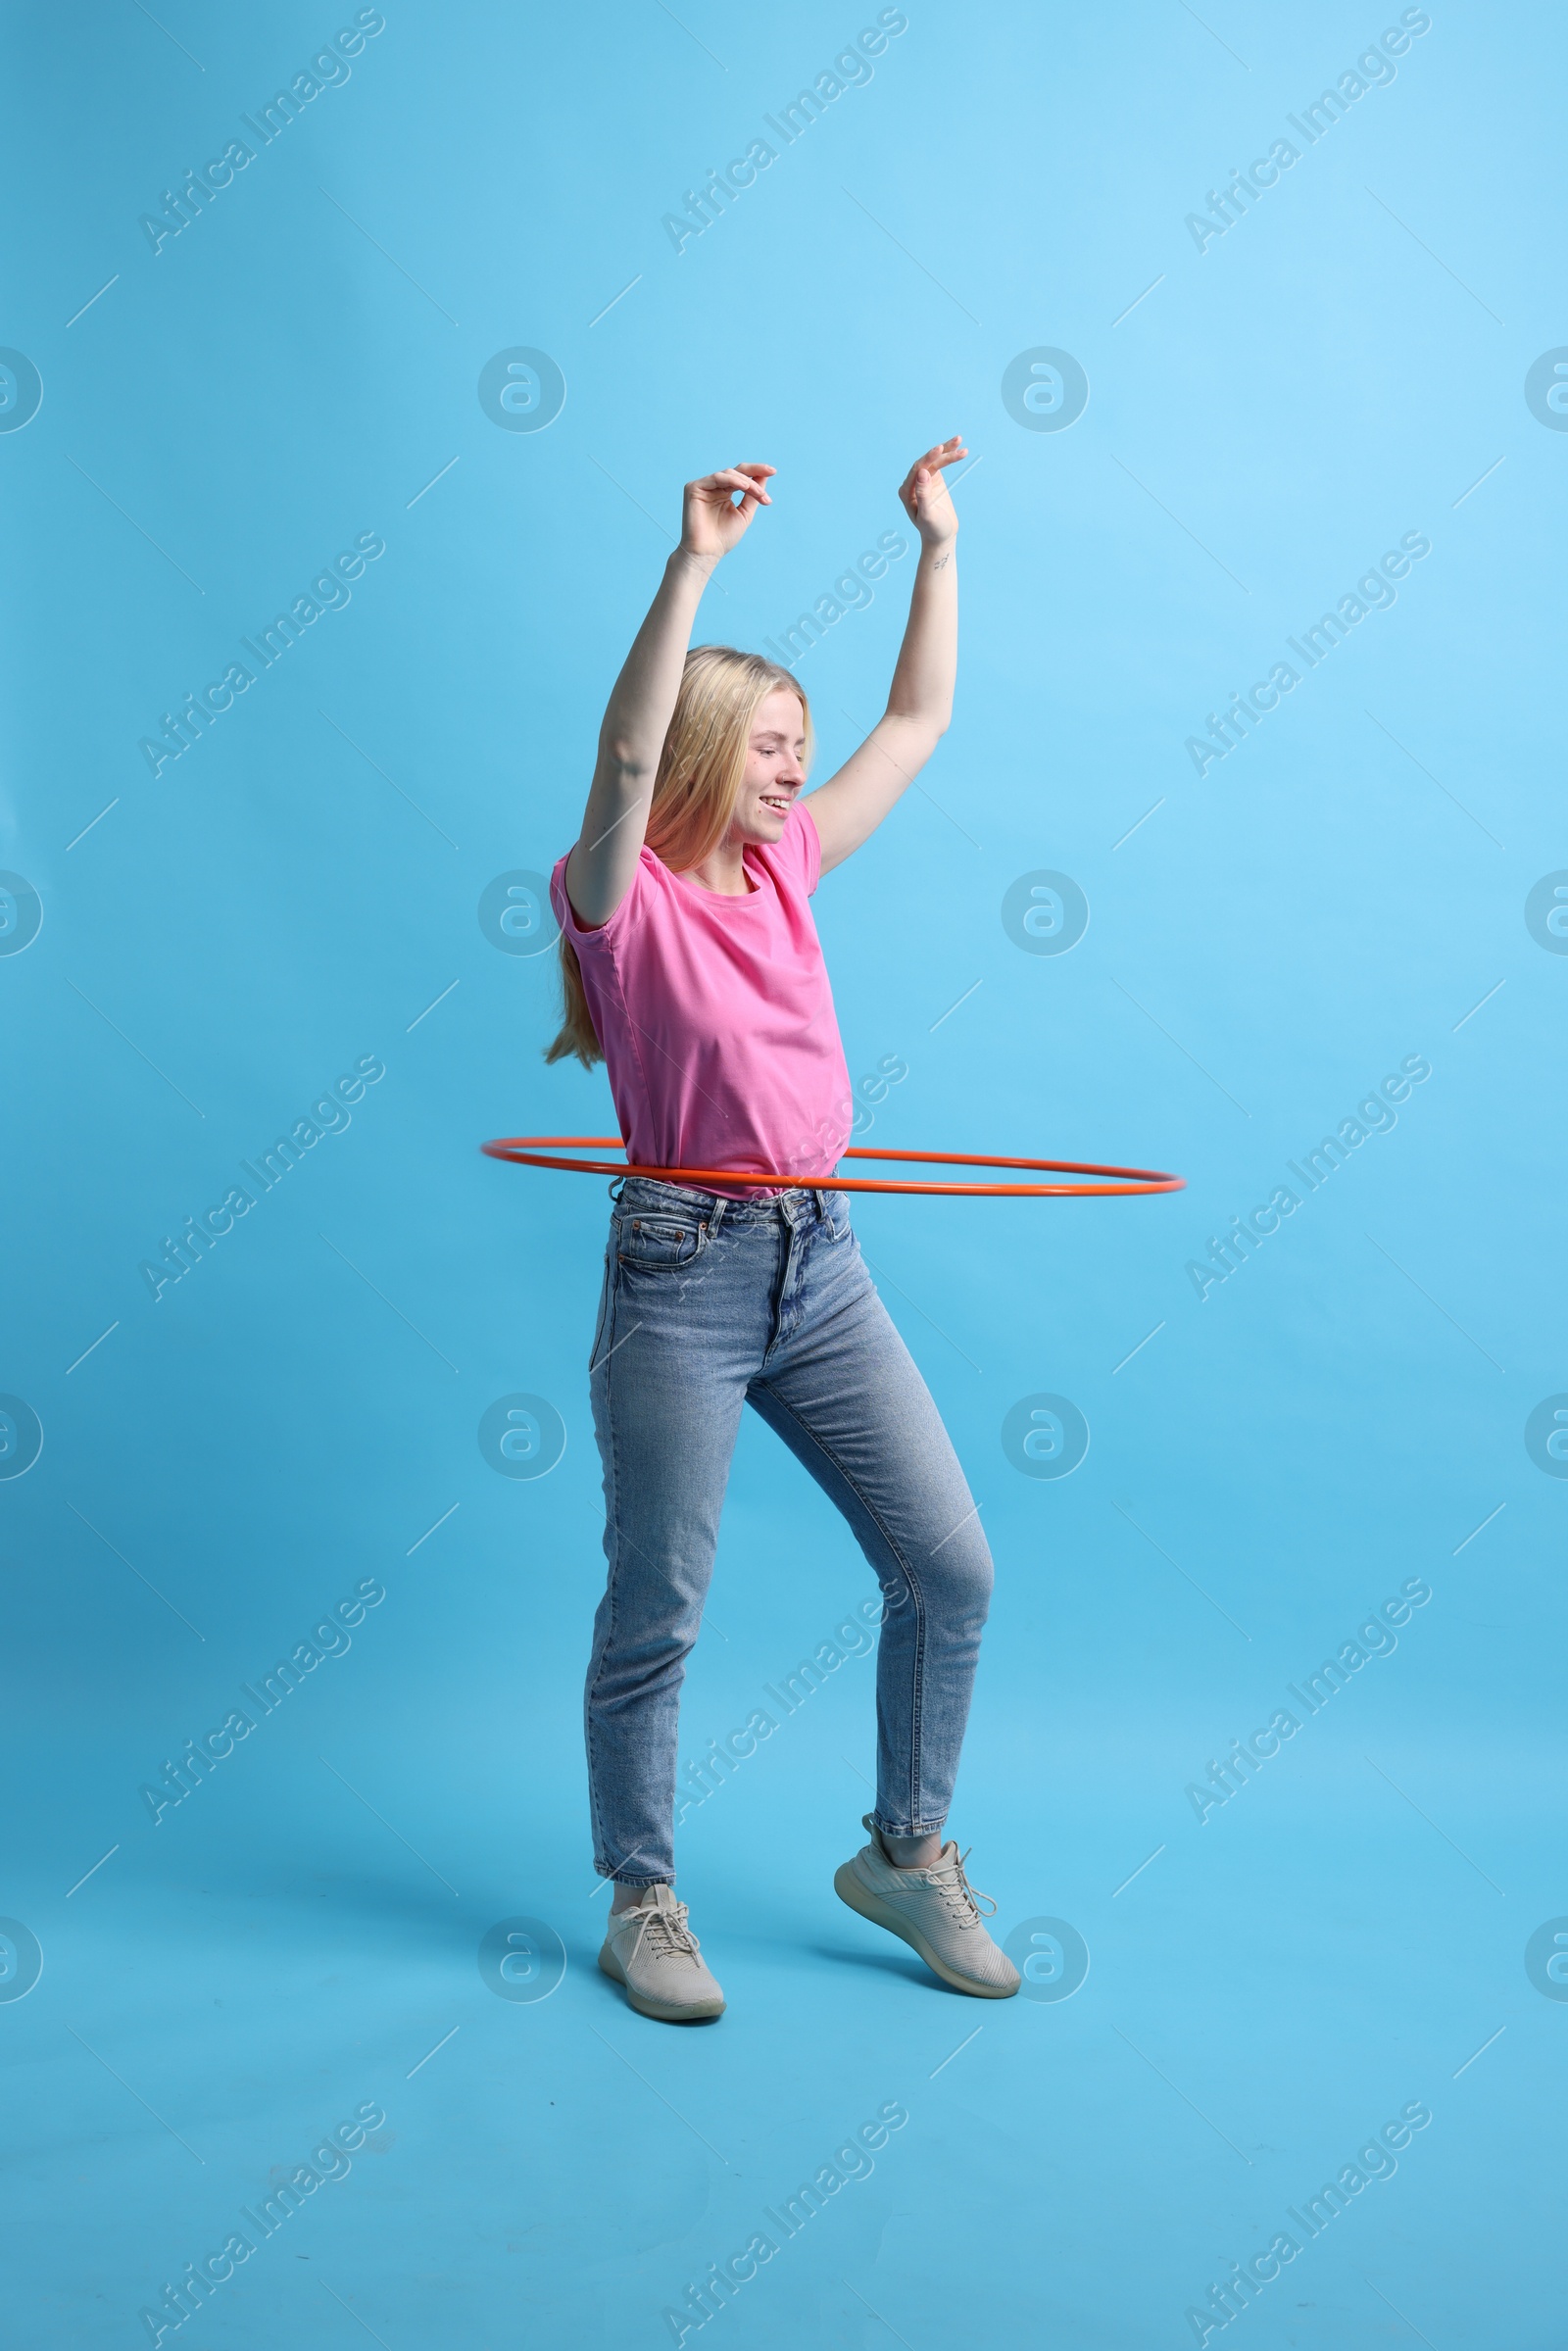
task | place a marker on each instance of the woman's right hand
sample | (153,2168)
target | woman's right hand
(711,523)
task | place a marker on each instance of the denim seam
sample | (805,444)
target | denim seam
(795,1254)
(661,1265)
(910,1577)
(613,1528)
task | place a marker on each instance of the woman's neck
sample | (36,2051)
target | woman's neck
(723,871)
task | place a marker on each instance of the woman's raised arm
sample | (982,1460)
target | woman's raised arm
(600,867)
(850,806)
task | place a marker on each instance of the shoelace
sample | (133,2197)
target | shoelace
(665,1932)
(963,1901)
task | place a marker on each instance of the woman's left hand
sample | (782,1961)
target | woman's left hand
(924,494)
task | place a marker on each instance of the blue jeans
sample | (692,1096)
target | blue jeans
(710,1303)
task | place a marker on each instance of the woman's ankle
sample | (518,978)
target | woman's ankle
(913,1852)
(626,1898)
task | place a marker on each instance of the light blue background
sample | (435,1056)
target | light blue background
(1338,1416)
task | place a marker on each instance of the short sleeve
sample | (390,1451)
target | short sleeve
(605,935)
(800,847)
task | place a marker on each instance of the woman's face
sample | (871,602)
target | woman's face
(775,771)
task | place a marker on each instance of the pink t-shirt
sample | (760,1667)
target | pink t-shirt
(720,1040)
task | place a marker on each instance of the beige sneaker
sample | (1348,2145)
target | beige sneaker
(935,1911)
(653,1953)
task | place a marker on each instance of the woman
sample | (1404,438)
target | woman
(691,965)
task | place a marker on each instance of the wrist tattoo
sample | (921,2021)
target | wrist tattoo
(941,559)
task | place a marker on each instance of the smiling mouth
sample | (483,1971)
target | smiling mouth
(771,801)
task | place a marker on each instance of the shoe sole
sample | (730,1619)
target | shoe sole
(663,2012)
(850,1890)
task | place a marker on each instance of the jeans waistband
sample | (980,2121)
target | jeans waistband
(789,1206)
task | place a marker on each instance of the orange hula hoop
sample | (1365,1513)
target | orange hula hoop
(538,1150)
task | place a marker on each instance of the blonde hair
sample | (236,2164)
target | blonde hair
(701,770)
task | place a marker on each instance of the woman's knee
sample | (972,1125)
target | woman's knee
(961,1572)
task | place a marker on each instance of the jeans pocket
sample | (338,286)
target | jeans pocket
(605,1291)
(660,1241)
